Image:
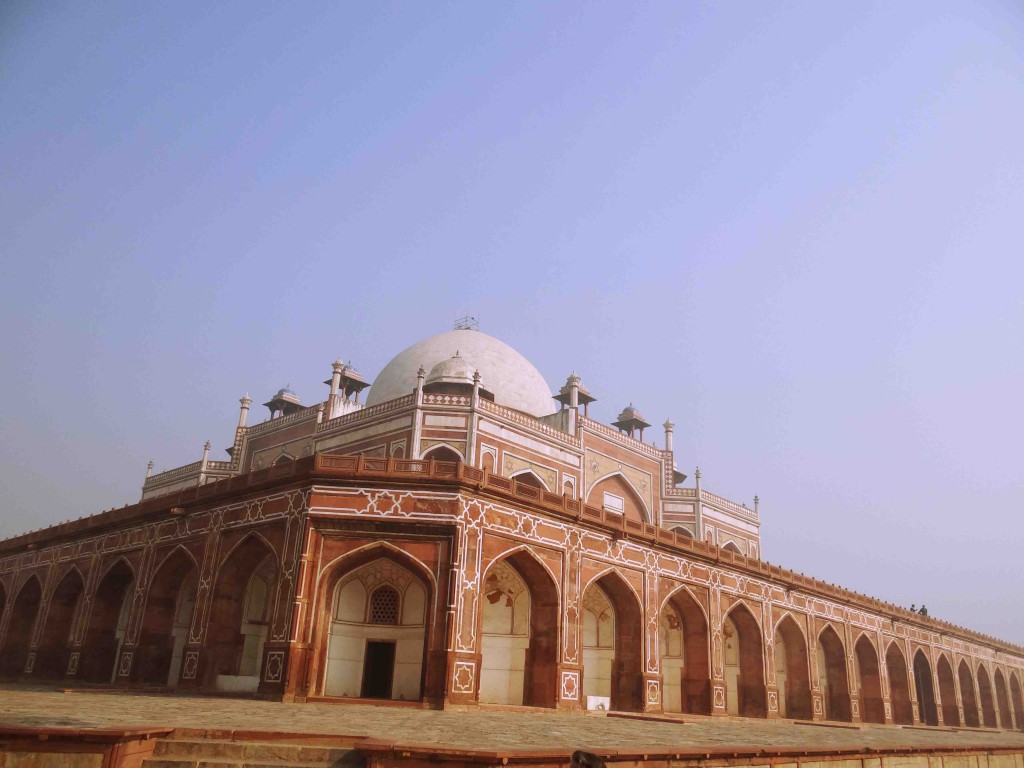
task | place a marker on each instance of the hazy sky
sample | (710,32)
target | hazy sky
(796,228)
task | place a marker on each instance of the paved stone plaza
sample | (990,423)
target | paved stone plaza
(469,729)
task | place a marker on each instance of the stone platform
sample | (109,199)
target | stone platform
(418,733)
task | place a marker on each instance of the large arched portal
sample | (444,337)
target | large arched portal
(107,624)
(925,689)
(166,621)
(872,706)
(835,683)
(377,641)
(972,718)
(614,666)
(239,617)
(519,629)
(1003,699)
(792,670)
(947,693)
(14,654)
(988,703)
(1017,700)
(744,664)
(684,655)
(52,660)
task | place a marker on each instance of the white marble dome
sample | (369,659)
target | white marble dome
(507,374)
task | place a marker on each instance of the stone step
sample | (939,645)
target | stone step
(248,751)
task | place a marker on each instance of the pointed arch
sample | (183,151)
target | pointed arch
(972,716)
(899,685)
(618,485)
(695,675)
(925,689)
(947,691)
(24,610)
(731,546)
(1003,700)
(870,688)
(625,675)
(1017,700)
(167,618)
(746,694)
(987,703)
(52,655)
(832,675)
(530,478)
(107,624)
(792,669)
(538,686)
(239,613)
(359,655)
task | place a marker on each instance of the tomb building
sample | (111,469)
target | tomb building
(466,534)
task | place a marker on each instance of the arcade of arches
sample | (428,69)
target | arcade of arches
(419,609)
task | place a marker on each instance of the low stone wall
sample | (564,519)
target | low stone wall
(77,747)
(391,756)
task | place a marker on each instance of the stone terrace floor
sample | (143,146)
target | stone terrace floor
(478,729)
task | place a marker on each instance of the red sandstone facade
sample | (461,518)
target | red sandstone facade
(450,547)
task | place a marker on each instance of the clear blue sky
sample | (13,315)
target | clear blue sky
(796,228)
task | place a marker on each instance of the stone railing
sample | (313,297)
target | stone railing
(221,466)
(728,506)
(368,412)
(309,412)
(622,437)
(686,493)
(520,418)
(461,400)
(171,475)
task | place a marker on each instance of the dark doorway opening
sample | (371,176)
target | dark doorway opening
(378,669)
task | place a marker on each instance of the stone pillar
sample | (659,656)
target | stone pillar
(653,682)
(718,687)
(570,669)
(336,368)
(670,428)
(770,679)
(243,412)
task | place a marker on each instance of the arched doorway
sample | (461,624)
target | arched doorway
(519,630)
(731,547)
(52,659)
(947,693)
(613,656)
(239,617)
(1017,700)
(792,670)
(744,664)
(972,718)
(107,624)
(925,689)
(1003,699)
(988,708)
(835,683)
(166,620)
(685,655)
(442,453)
(377,639)
(899,686)
(24,609)
(872,706)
